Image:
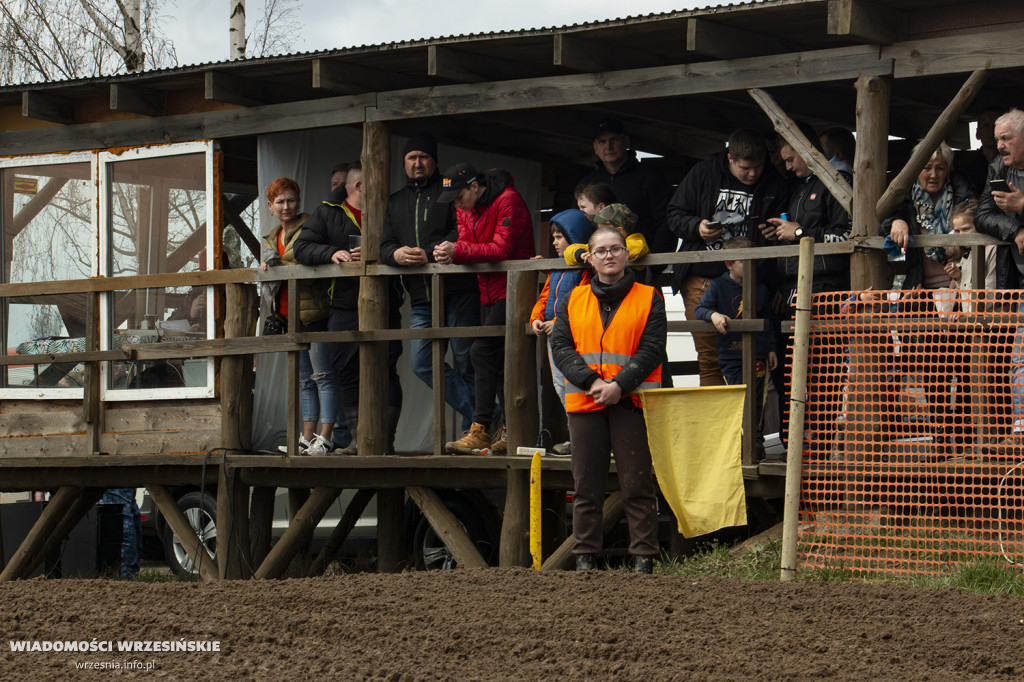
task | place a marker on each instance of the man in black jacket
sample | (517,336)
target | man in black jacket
(727,196)
(640,187)
(414,224)
(333,235)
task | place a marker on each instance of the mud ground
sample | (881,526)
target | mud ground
(516,624)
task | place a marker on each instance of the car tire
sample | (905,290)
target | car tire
(200,510)
(429,552)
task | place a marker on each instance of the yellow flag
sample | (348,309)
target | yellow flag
(694,434)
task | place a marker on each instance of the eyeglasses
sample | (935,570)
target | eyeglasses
(614,252)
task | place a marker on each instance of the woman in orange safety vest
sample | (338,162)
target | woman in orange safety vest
(609,342)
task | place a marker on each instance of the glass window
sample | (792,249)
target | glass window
(48,218)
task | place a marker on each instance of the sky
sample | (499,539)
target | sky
(199,28)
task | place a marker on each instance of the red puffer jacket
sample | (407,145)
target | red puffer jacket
(498,228)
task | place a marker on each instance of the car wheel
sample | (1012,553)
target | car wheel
(430,552)
(200,511)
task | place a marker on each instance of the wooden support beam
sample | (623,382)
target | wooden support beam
(611,513)
(904,180)
(863,21)
(181,527)
(631,84)
(232,89)
(437,353)
(729,42)
(293,416)
(261,519)
(391,547)
(514,547)
(868,268)
(447,527)
(241,311)
(337,538)
(92,407)
(469,67)
(79,508)
(137,100)
(819,165)
(522,421)
(372,433)
(46,107)
(299,530)
(233,546)
(749,437)
(24,559)
(964,52)
(580,54)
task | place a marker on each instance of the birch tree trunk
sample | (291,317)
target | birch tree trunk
(236,29)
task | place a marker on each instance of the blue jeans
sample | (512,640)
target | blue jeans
(131,530)
(318,385)
(460,310)
(732,371)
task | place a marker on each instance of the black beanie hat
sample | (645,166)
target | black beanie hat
(424,142)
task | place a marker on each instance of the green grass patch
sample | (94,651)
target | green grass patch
(761,562)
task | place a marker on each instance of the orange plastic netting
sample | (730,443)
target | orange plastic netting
(912,463)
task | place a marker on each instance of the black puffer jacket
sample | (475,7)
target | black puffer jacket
(906,211)
(645,191)
(821,216)
(326,232)
(697,197)
(414,218)
(650,354)
(993,221)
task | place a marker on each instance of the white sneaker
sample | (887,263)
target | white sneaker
(303,446)
(319,446)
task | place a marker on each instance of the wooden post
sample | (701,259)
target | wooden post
(522,418)
(261,519)
(232,523)
(180,526)
(236,376)
(299,529)
(92,408)
(447,527)
(48,520)
(750,363)
(294,423)
(868,268)
(345,525)
(391,550)
(437,347)
(514,548)
(561,558)
(797,406)
(372,433)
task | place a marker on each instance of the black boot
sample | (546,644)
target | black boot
(586,562)
(352,418)
(643,564)
(394,413)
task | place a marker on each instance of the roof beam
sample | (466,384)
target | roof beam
(231,89)
(46,107)
(633,84)
(136,100)
(957,54)
(465,67)
(580,54)
(345,78)
(728,42)
(867,23)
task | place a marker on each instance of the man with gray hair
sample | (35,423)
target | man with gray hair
(999,215)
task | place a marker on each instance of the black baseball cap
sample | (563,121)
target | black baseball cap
(454,179)
(610,125)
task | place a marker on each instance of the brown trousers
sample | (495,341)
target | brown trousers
(594,436)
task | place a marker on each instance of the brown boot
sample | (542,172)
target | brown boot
(472,442)
(500,445)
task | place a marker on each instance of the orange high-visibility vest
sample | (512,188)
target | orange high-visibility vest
(607,350)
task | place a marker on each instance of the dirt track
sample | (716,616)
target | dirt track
(517,624)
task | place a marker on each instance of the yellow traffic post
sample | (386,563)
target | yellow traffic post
(535,509)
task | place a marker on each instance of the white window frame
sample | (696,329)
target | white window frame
(103,163)
(54,392)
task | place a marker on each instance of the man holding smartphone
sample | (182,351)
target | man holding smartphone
(724,197)
(999,215)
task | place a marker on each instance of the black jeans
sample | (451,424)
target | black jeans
(488,358)
(346,357)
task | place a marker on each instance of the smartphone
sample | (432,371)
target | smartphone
(714,224)
(999,185)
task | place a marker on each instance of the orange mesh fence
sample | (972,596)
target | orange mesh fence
(912,461)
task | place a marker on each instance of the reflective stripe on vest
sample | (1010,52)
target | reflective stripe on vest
(607,350)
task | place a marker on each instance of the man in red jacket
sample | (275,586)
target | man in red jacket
(494,225)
